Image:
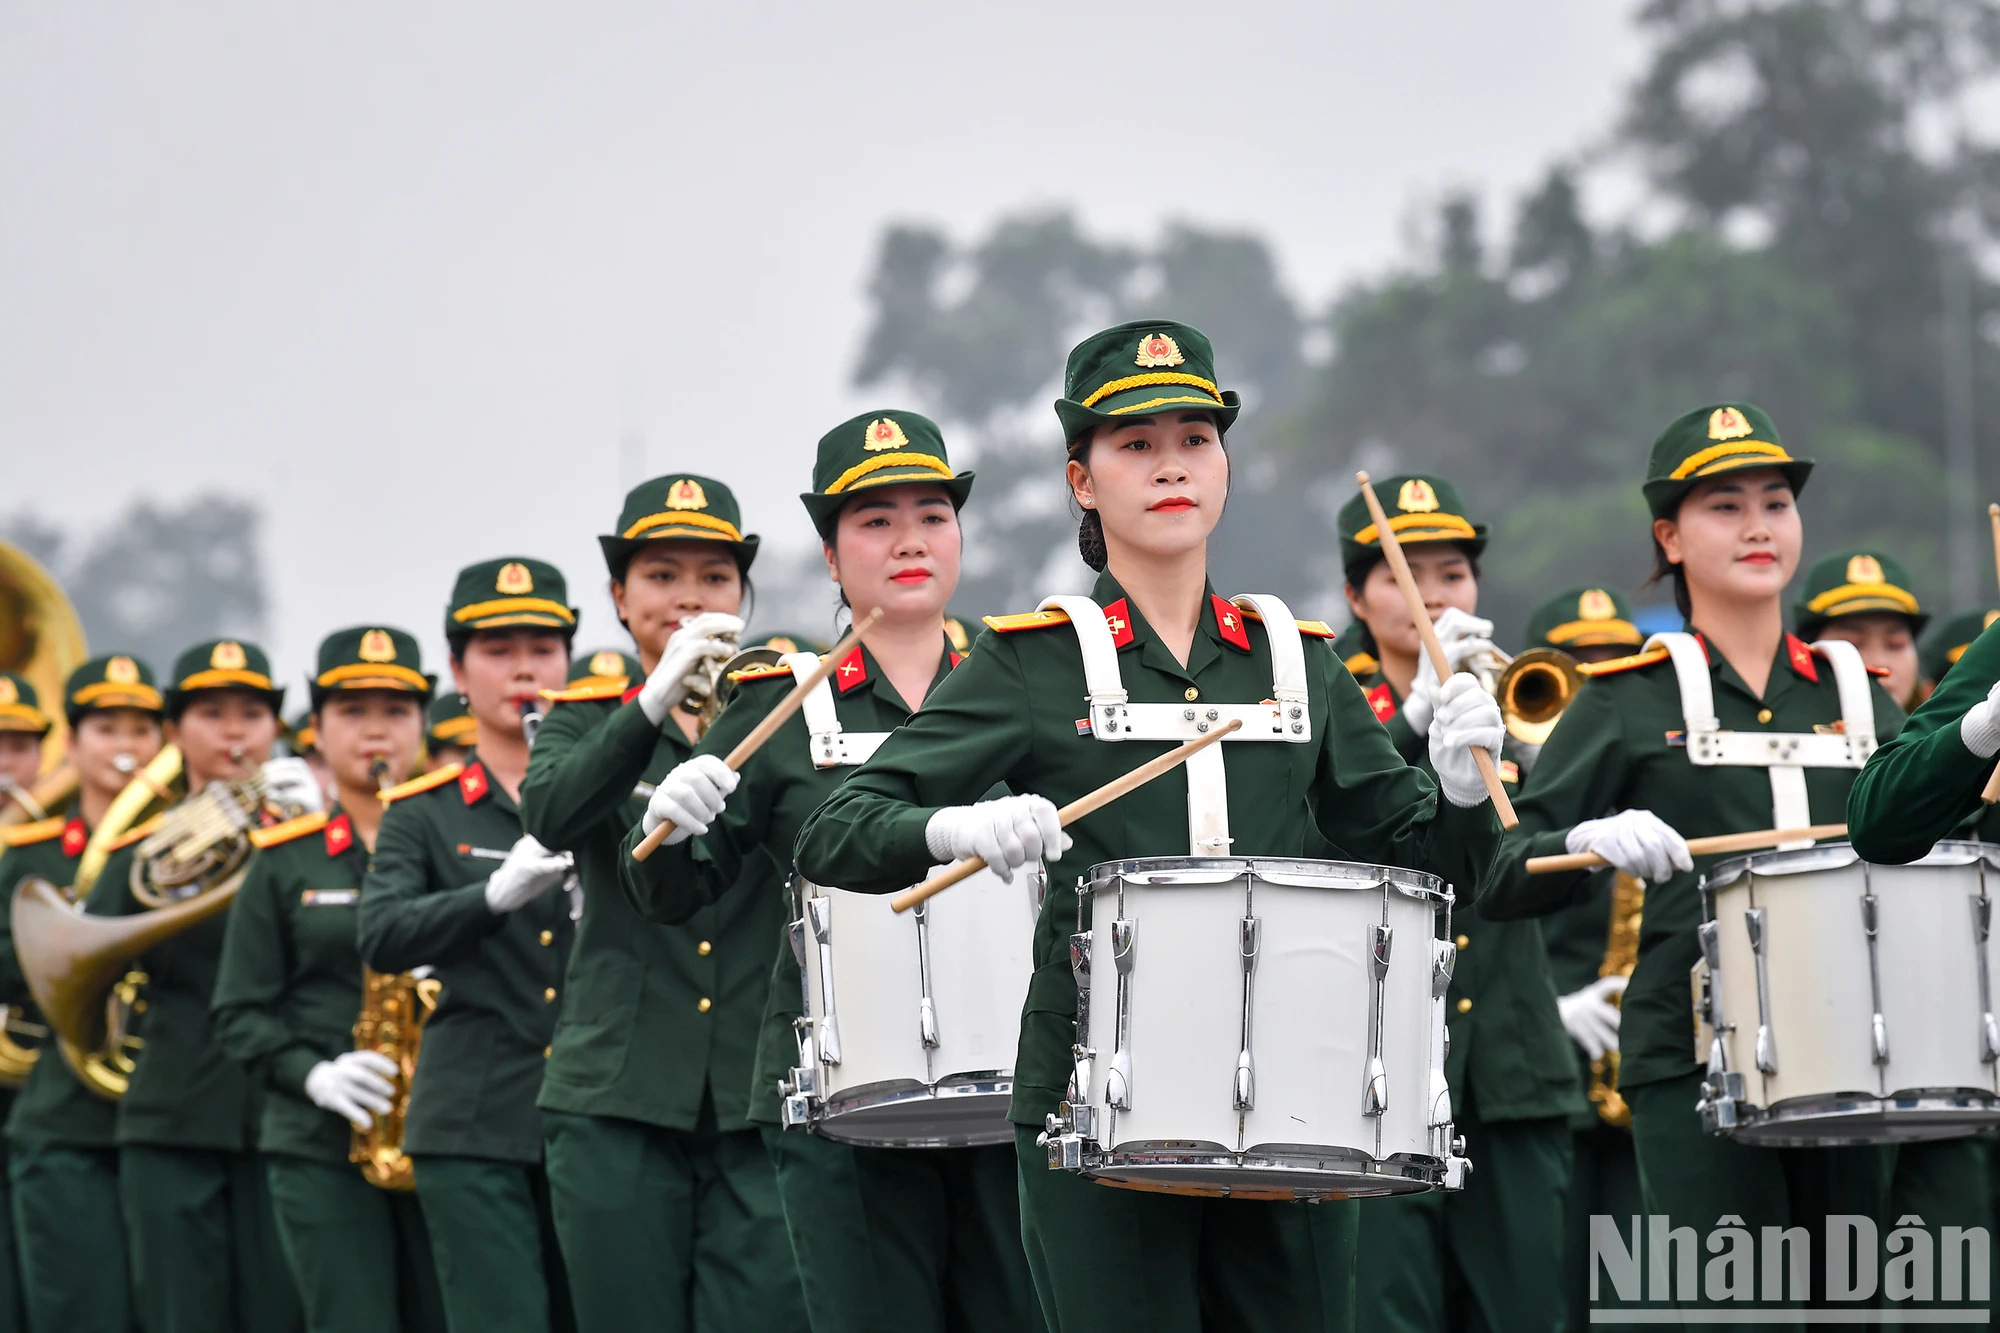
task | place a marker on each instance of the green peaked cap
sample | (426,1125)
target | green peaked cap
(370,657)
(20,706)
(603,666)
(1721,437)
(1587,617)
(506,591)
(448,722)
(884,448)
(1856,582)
(116,680)
(1137,369)
(679,506)
(1421,508)
(222,664)
(1949,639)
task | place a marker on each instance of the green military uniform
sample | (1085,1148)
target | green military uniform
(62,1155)
(1112,1259)
(205,1249)
(666,1207)
(472,1131)
(1489,1256)
(911,1238)
(450,730)
(287,993)
(1622,744)
(1949,639)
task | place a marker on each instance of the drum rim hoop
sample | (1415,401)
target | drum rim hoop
(1414,883)
(1838,856)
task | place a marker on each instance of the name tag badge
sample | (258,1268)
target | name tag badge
(482,853)
(329,897)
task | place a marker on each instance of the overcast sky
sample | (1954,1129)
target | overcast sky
(403,273)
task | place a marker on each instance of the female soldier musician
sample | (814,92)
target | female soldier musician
(455,884)
(1864,597)
(1619,777)
(62,1159)
(922,1238)
(451,733)
(1144,423)
(288,991)
(664,1201)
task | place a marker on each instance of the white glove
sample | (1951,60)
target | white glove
(1007,833)
(691,796)
(290,781)
(698,640)
(1466,716)
(1589,1016)
(1464,637)
(528,870)
(1980,727)
(354,1084)
(1637,842)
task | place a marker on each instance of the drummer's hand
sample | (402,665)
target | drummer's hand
(1637,842)
(691,796)
(1589,1016)
(708,636)
(1466,717)
(1006,833)
(1980,727)
(1464,637)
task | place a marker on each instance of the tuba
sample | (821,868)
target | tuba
(42,639)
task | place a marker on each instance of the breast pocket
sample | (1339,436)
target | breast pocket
(325,925)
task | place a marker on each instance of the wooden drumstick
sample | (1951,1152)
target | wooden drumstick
(1721,842)
(1392,551)
(774,719)
(1992,793)
(1072,812)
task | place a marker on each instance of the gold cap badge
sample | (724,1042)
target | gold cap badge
(1726,423)
(228,656)
(1596,604)
(1416,497)
(1157,349)
(122,671)
(1991,616)
(514,579)
(607,663)
(686,494)
(781,643)
(884,433)
(1865,569)
(8,694)
(377,646)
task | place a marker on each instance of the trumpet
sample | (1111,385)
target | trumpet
(717,687)
(1532,688)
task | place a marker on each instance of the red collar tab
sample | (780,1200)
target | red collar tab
(632,693)
(1229,622)
(1801,658)
(851,672)
(1118,616)
(956,657)
(75,837)
(1706,655)
(339,835)
(1383,700)
(472,784)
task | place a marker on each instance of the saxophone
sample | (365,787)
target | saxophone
(394,1008)
(1621,955)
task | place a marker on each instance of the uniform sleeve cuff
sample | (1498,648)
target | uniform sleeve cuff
(290,1066)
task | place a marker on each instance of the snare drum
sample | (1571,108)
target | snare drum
(1840,1002)
(911,1020)
(1261,1028)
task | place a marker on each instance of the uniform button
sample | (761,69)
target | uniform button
(1465,1006)
(1192,694)
(550,995)
(705,1004)
(548,937)
(548,1051)
(1763,715)
(704,948)
(1464,942)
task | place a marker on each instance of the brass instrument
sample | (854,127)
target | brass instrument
(42,639)
(1621,955)
(1533,689)
(720,687)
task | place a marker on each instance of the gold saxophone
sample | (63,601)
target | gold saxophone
(1621,955)
(394,1008)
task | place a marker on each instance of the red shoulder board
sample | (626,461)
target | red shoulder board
(1229,622)
(75,837)
(1118,616)
(1801,658)
(472,784)
(852,671)
(1618,664)
(1383,700)
(339,835)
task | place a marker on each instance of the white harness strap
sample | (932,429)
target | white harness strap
(831,746)
(1283,717)
(1784,755)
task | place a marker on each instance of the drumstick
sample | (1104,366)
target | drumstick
(1392,551)
(1992,793)
(1721,842)
(774,719)
(1072,812)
